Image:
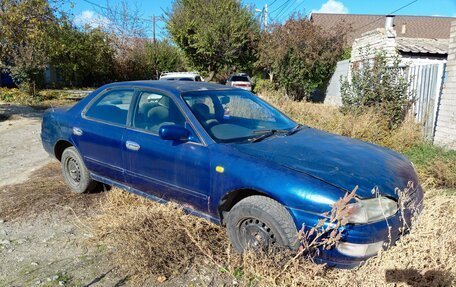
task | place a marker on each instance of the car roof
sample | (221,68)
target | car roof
(176,87)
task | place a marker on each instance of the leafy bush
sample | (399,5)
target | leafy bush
(43,98)
(379,83)
(14,96)
(300,55)
(262,85)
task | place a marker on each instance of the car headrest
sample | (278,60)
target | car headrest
(144,108)
(201,111)
(158,114)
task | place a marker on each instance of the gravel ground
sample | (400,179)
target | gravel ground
(20,143)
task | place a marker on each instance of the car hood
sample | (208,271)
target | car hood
(337,160)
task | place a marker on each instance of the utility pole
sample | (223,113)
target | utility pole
(263,16)
(155,48)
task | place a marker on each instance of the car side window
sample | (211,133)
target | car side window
(112,107)
(154,110)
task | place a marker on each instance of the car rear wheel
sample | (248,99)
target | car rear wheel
(74,171)
(258,222)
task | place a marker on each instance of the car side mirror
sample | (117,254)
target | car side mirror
(174,132)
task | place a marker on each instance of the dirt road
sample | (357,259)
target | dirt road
(21,150)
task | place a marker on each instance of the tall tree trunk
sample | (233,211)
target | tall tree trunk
(211,76)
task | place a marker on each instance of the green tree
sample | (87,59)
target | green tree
(215,35)
(165,57)
(26,28)
(300,56)
(378,82)
(83,57)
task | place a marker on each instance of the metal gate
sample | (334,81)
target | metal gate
(426,84)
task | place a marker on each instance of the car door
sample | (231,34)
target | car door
(167,169)
(98,134)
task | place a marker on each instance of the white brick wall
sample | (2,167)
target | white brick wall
(375,41)
(445,132)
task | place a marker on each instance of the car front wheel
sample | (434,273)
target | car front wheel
(257,222)
(75,173)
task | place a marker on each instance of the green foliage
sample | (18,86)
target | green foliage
(379,83)
(300,55)
(43,98)
(82,57)
(168,57)
(346,55)
(215,35)
(434,164)
(26,28)
(264,85)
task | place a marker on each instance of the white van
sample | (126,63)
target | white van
(181,76)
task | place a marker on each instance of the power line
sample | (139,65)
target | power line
(381,17)
(278,8)
(281,8)
(158,18)
(284,13)
(272,3)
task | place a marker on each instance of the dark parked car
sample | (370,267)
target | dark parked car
(230,157)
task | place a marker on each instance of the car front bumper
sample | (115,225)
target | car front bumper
(359,242)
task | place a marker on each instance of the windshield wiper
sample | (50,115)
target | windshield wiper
(270,132)
(266,134)
(294,130)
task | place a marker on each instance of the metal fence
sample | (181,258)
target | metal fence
(426,83)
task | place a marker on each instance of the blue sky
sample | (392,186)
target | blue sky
(85,12)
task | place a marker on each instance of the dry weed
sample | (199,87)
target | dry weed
(369,126)
(161,240)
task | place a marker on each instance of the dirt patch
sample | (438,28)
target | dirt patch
(43,238)
(20,141)
(44,192)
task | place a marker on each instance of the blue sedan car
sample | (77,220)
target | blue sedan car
(228,156)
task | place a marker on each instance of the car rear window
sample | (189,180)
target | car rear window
(111,107)
(239,79)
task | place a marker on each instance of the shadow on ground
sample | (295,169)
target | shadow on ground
(415,278)
(10,111)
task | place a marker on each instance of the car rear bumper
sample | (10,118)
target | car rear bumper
(372,237)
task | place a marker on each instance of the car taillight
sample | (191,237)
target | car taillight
(241,85)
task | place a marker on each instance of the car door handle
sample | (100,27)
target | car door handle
(132,145)
(77,131)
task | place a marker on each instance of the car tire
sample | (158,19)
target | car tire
(257,222)
(74,171)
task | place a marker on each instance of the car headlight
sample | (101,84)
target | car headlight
(370,210)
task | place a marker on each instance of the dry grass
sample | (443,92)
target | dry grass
(153,240)
(369,126)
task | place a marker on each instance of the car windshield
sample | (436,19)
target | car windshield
(239,79)
(235,116)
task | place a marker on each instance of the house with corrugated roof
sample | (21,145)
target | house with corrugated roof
(421,44)
(427,27)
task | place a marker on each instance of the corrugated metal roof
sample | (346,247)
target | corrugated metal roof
(422,45)
(406,26)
